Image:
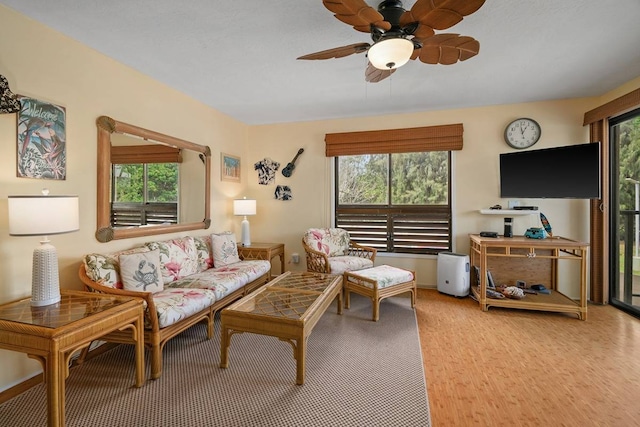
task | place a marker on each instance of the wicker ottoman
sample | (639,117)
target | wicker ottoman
(379,283)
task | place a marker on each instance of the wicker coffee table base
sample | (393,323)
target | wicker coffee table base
(288,308)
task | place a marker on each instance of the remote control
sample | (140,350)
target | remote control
(488,234)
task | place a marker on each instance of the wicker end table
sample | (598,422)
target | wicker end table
(51,334)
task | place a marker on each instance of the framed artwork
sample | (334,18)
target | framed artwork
(42,140)
(229,167)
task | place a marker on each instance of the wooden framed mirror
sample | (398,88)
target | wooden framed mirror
(194,170)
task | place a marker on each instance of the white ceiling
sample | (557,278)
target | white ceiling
(239,57)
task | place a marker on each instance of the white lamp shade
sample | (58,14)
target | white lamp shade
(244,207)
(43,215)
(391,53)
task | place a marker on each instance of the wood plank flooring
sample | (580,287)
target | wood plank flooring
(510,367)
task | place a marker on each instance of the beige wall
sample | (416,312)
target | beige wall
(48,66)
(476,175)
(42,63)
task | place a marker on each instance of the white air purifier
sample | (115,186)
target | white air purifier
(453,274)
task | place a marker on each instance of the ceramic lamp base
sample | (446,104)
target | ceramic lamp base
(246,234)
(45,282)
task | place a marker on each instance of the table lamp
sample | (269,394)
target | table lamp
(43,215)
(245,207)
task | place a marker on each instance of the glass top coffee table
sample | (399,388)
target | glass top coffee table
(288,307)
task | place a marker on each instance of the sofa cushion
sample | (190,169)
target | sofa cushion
(104,269)
(330,241)
(340,264)
(141,271)
(178,258)
(225,280)
(174,304)
(203,252)
(224,249)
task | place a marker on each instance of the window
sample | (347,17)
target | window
(398,202)
(393,186)
(144,194)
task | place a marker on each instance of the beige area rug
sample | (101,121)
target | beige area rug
(359,373)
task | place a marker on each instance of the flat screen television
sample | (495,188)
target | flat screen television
(569,172)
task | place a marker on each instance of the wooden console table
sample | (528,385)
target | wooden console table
(533,261)
(52,334)
(263,251)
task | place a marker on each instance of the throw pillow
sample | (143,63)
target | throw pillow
(178,258)
(203,251)
(141,272)
(224,248)
(331,241)
(104,269)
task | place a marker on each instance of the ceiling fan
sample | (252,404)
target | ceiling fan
(400,35)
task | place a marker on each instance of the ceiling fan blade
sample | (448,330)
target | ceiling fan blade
(439,14)
(374,75)
(463,7)
(357,13)
(338,52)
(423,32)
(447,49)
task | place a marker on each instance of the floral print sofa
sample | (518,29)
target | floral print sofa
(331,250)
(183,281)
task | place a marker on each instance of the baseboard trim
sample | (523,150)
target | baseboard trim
(20,388)
(25,385)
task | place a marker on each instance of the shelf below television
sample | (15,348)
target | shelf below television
(509,212)
(533,261)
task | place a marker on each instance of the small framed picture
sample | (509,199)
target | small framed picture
(229,167)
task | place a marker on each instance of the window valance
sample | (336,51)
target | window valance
(407,140)
(614,108)
(155,153)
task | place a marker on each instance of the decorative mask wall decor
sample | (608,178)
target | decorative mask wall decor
(8,101)
(283,192)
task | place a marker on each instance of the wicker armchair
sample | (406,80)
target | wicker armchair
(331,250)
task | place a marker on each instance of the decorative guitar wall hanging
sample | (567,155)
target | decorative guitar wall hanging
(288,170)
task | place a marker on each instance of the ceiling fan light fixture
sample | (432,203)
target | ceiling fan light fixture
(390,53)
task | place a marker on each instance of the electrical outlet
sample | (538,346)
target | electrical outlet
(295,258)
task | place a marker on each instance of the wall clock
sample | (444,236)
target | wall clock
(522,133)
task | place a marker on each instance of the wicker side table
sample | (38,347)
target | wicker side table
(263,251)
(51,334)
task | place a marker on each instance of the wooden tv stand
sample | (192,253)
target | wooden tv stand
(533,261)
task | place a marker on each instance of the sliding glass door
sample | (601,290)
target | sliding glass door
(624,137)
